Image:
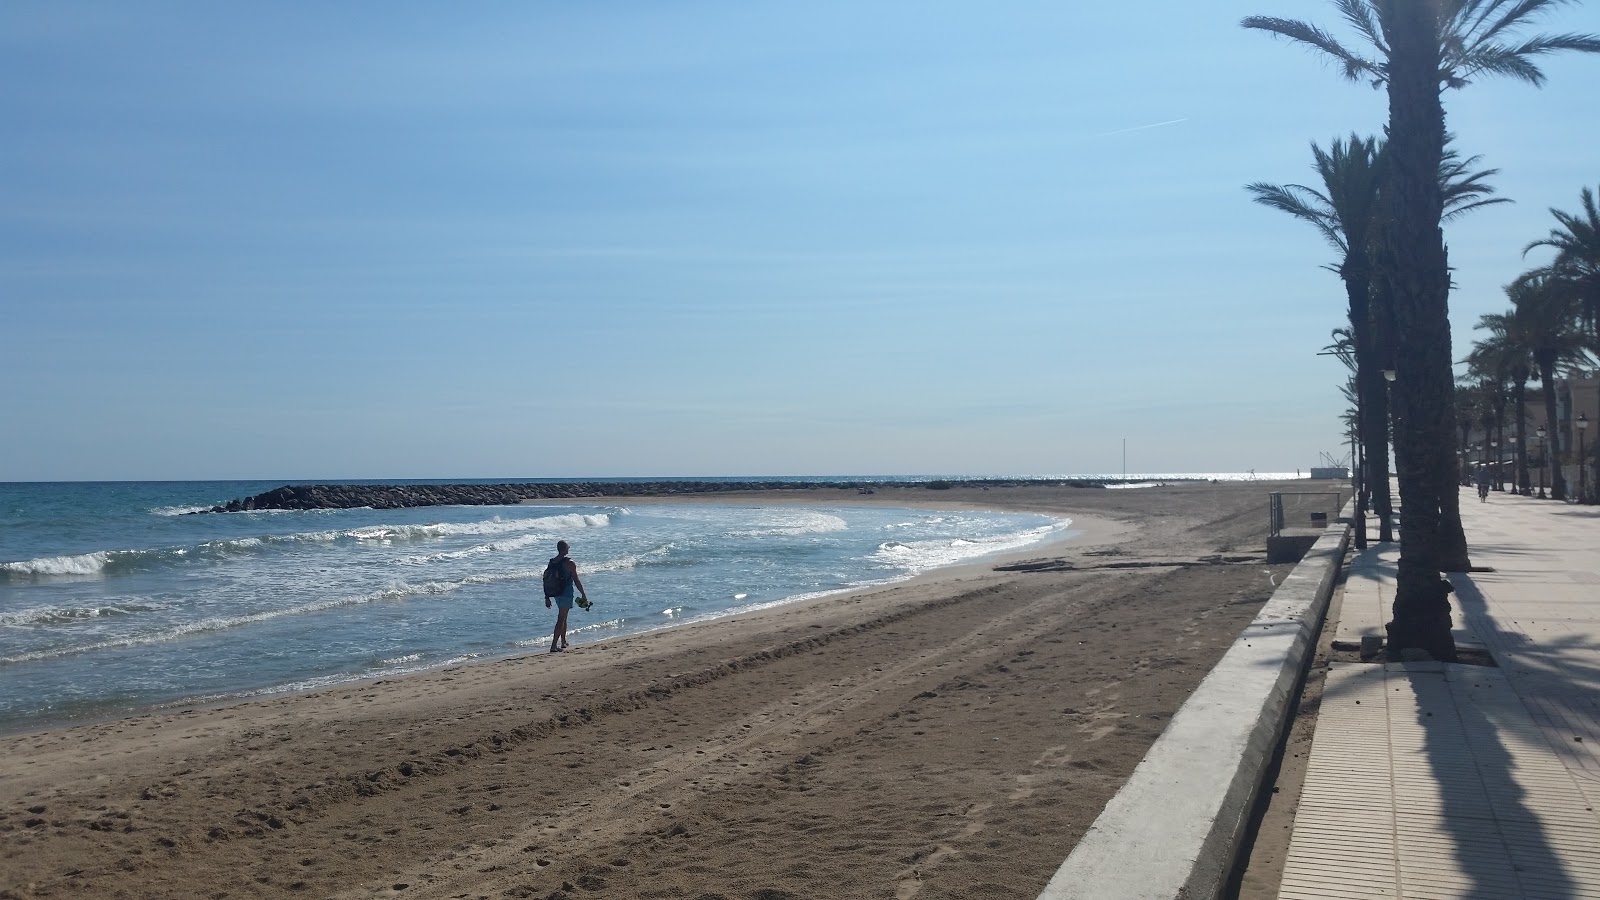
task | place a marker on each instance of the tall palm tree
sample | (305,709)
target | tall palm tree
(1419,48)
(1547,314)
(1506,354)
(1577,246)
(1345,212)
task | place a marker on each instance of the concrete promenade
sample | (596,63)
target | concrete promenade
(1433,780)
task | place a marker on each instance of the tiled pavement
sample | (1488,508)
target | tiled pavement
(1433,780)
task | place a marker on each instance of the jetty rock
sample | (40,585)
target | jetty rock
(398,496)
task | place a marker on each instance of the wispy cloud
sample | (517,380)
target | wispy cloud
(1139,128)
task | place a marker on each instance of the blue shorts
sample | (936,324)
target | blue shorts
(564,601)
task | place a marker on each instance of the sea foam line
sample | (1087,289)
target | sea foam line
(795,523)
(396,591)
(63,615)
(109,561)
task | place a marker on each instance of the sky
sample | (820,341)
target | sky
(427,240)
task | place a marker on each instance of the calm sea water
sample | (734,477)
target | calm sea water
(113,600)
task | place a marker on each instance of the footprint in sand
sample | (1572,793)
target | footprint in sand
(1051,758)
(909,882)
(1095,727)
(1108,686)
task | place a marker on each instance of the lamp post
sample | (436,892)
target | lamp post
(1541,461)
(1494,447)
(1583,463)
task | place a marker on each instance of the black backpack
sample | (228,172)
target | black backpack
(557,580)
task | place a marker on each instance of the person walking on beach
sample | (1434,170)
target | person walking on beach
(560,581)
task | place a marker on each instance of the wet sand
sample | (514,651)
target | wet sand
(951,736)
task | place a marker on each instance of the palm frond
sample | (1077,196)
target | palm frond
(1303,203)
(1353,64)
(1491,61)
(1456,212)
(1520,14)
(1360,16)
(1463,190)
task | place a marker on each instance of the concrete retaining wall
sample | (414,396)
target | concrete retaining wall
(1173,831)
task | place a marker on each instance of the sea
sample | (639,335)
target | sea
(123,597)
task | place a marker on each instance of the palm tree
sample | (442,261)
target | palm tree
(1577,246)
(1547,314)
(1468,401)
(1343,348)
(1506,354)
(1420,48)
(1345,213)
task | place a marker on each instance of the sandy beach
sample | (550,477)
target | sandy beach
(950,736)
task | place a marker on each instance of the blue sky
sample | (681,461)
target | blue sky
(518,239)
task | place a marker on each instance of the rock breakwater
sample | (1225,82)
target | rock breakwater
(396,496)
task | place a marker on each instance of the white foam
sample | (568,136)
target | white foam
(794,522)
(60,615)
(920,556)
(631,561)
(495,525)
(506,546)
(397,590)
(81,564)
(178,510)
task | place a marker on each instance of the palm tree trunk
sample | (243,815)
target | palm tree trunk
(1372,411)
(1416,264)
(1499,443)
(1376,432)
(1547,378)
(1519,394)
(1381,317)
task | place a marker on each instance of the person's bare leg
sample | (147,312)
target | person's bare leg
(558,638)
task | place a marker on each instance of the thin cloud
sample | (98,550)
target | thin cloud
(1139,128)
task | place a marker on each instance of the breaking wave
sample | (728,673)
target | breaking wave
(794,523)
(395,591)
(107,562)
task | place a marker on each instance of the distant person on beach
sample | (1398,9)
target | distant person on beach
(1483,484)
(564,584)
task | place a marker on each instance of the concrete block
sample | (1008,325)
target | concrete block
(1289,547)
(1371,645)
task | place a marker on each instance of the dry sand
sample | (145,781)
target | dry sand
(951,736)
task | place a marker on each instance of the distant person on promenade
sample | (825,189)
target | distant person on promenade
(560,582)
(1483,484)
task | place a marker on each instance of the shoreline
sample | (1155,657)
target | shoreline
(699,755)
(1104,530)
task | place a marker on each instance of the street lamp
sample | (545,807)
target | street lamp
(1583,464)
(1541,462)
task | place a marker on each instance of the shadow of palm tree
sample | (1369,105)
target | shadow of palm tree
(1478,792)
(1463,776)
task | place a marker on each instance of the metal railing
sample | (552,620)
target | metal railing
(1302,509)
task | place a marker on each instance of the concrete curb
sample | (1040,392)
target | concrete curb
(1173,830)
